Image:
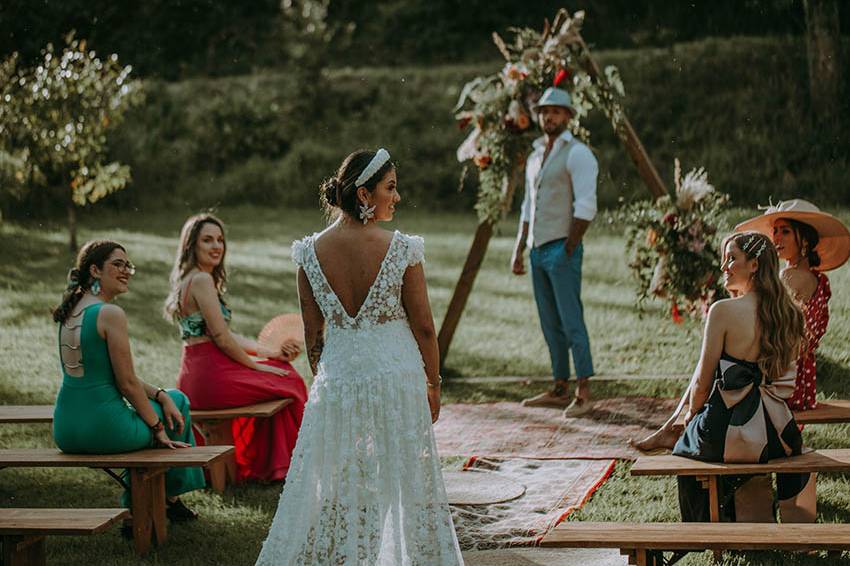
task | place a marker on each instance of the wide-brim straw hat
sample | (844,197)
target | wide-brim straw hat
(834,237)
(554,96)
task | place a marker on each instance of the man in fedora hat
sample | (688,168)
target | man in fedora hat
(559,204)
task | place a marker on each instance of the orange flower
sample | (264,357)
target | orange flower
(523,122)
(651,237)
(482,161)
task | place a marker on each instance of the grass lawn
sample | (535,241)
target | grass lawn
(498,335)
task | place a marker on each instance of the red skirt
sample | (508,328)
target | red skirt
(212,380)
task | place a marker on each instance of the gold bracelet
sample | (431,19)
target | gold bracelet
(433,385)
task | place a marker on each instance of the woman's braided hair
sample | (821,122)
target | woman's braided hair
(95,252)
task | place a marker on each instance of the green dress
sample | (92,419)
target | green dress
(92,417)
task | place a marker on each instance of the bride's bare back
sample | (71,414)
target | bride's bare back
(351,262)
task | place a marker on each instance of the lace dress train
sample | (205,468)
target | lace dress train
(364,485)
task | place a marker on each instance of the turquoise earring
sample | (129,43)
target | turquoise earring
(95,287)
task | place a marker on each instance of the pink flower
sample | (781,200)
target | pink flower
(514,72)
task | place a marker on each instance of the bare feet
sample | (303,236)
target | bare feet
(663,438)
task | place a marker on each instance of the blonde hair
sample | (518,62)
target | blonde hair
(780,320)
(186,260)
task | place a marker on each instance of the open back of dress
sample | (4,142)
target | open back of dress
(364,485)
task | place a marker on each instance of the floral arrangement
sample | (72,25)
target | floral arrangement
(500,107)
(674,244)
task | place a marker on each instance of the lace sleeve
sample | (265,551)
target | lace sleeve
(299,251)
(415,250)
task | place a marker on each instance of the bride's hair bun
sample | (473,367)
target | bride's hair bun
(330,191)
(338,194)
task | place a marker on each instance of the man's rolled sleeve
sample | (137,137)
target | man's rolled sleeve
(584,170)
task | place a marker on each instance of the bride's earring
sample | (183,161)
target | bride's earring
(367,212)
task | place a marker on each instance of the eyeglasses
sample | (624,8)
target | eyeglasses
(125,266)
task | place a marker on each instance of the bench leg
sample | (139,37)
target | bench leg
(220,433)
(642,556)
(714,499)
(160,520)
(147,491)
(714,508)
(23,550)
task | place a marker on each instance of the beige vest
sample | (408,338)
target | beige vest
(551,212)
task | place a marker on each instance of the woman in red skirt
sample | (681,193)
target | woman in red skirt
(217,370)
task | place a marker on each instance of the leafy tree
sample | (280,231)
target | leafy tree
(54,120)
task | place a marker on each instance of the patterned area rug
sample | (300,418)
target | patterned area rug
(554,489)
(511,430)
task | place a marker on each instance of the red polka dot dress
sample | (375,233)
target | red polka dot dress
(816,313)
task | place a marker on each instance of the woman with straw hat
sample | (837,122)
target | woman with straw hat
(810,242)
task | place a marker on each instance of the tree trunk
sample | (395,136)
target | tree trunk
(72,226)
(823,46)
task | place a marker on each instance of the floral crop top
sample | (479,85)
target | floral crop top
(194,325)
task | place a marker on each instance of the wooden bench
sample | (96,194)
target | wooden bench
(214,425)
(22,531)
(827,412)
(217,428)
(643,543)
(28,414)
(147,477)
(707,473)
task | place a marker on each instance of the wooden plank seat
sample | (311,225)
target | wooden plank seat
(829,460)
(217,428)
(147,477)
(22,531)
(643,543)
(214,425)
(27,414)
(827,412)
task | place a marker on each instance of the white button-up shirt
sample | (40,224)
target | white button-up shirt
(562,188)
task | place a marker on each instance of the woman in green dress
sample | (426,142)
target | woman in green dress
(103,407)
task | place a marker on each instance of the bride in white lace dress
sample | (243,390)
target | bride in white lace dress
(365,486)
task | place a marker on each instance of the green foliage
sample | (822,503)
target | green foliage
(737,107)
(448,31)
(162,38)
(55,120)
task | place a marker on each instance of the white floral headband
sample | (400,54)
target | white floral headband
(750,245)
(378,161)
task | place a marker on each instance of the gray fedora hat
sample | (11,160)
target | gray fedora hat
(554,96)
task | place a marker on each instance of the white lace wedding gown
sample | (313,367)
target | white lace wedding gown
(365,486)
